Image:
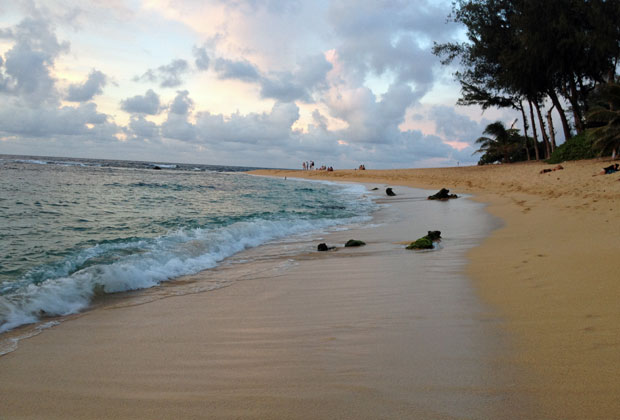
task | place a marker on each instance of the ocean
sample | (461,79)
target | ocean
(75,230)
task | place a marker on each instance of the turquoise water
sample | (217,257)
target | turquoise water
(71,229)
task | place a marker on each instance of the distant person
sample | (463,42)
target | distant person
(609,169)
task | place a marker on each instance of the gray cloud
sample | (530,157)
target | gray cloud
(177,127)
(384,38)
(27,64)
(86,91)
(254,128)
(30,102)
(309,76)
(141,129)
(201,58)
(169,75)
(142,104)
(182,103)
(48,122)
(453,126)
(236,69)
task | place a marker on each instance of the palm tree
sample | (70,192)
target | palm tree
(604,116)
(502,143)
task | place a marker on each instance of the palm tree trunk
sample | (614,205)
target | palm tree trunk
(543,132)
(551,129)
(573,97)
(556,103)
(527,140)
(534,131)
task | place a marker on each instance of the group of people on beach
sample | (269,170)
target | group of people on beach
(309,166)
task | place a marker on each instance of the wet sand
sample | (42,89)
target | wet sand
(370,332)
(552,270)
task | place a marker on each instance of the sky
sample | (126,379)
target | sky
(264,83)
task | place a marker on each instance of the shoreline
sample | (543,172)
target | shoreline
(551,271)
(371,332)
(297,343)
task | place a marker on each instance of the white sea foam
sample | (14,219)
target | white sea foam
(33,161)
(170,256)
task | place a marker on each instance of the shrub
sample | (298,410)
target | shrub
(576,148)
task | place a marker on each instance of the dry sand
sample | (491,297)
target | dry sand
(288,341)
(553,270)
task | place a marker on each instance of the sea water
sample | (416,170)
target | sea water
(74,229)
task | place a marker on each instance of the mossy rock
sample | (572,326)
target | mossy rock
(422,243)
(354,242)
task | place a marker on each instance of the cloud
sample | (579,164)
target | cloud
(348,71)
(27,65)
(179,128)
(270,128)
(236,69)
(201,58)
(49,122)
(169,75)
(456,127)
(86,91)
(309,76)
(142,104)
(182,103)
(141,129)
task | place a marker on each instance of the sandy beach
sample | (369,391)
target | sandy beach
(528,328)
(552,270)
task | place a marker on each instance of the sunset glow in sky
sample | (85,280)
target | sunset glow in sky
(266,83)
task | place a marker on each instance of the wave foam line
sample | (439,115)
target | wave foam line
(164,258)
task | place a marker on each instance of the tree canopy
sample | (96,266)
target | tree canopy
(554,51)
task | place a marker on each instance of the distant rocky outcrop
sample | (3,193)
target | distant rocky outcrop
(426,242)
(389,192)
(354,242)
(157,168)
(442,194)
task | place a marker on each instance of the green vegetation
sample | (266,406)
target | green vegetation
(575,148)
(540,58)
(604,117)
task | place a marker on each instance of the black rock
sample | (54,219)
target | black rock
(157,168)
(354,242)
(374,189)
(442,194)
(434,235)
(389,192)
(322,247)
